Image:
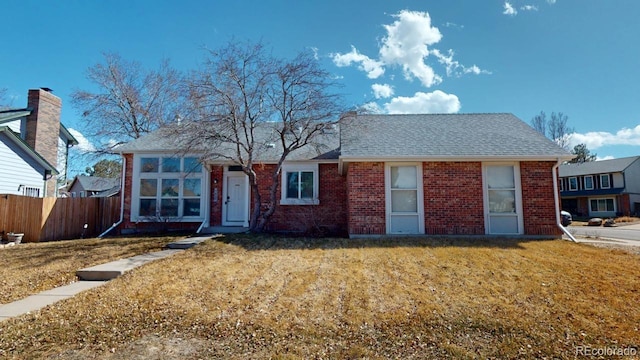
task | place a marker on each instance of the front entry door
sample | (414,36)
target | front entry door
(236,200)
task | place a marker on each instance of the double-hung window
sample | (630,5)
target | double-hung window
(604,181)
(167,187)
(588,182)
(573,184)
(299,184)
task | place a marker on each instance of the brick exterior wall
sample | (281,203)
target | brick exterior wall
(453,198)
(355,203)
(624,205)
(327,217)
(215,209)
(366,194)
(538,204)
(43,129)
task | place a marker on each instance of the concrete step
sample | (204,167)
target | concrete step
(188,242)
(116,268)
(224,230)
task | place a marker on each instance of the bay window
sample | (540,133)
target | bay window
(167,187)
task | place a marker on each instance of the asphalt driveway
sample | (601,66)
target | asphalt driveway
(629,233)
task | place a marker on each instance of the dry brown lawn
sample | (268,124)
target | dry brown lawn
(266,297)
(27,269)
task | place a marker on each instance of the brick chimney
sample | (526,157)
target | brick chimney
(43,128)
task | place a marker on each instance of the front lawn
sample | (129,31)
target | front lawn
(267,297)
(30,268)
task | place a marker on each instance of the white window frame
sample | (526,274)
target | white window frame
(571,187)
(602,176)
(300,167)
(585,182)
(159,176)
(597,200)
(518,197)
(419,195)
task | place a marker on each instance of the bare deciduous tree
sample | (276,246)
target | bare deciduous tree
(245,100)
(129,101)
(555,128)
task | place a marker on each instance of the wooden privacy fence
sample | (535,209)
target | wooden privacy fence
(47,219)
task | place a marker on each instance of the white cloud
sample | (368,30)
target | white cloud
(373,68)
(407,45)
(424,103)
(509,9)
(315,52)
(84,145)
(529,8)
(596,139)
(453,25)
(551,1)
(382,90)
(371,108)
(453,67)
(608,157)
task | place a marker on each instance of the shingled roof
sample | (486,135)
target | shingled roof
(597,167)
(422,136)
(444,136)
(170,139)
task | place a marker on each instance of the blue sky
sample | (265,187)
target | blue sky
(579,57)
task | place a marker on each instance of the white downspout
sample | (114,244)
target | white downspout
(207,193)
(557,202)
(124,169)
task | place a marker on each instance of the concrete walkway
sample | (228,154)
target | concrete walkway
(92,277)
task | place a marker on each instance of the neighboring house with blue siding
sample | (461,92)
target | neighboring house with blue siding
(33,146)
(605,188)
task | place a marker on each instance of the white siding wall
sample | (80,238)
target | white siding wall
(15,170)
(14,125)
(618,180)
(632,176)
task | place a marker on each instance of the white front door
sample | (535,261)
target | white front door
(405,214)
(235,200)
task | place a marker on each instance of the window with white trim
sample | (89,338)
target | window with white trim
(168,187)
(299,184)
(601,205)
(605,181)
(31,191)
(573,184)
(588,182)
(561,184)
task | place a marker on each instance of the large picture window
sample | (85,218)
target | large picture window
(300,184)
(602,205)
(167,187)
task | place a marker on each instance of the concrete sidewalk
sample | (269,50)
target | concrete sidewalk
(93,277)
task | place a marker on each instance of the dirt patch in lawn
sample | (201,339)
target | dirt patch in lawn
(27,269)
(268,297)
